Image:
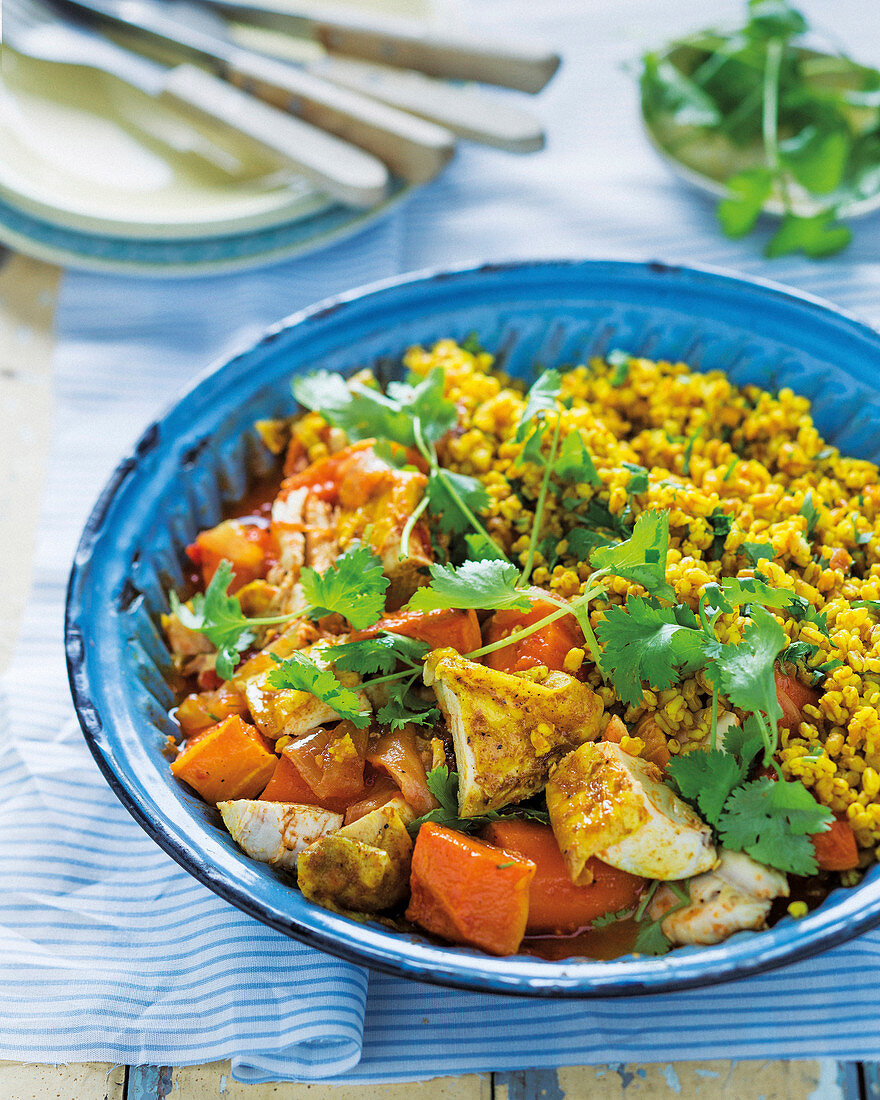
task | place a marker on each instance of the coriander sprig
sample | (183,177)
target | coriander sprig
(354,587)
(443,785)
(415,414)
(807,125)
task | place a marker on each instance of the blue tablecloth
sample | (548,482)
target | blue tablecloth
(110,951)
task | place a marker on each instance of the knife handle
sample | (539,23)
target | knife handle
(347,173)
(466,112)
(413,148)
(456,57)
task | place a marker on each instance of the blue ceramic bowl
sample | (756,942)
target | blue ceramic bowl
(204,450)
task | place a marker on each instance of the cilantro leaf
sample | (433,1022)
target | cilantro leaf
(300,673)
(734,592)
(642,558)
(354,587)
(651,940)
(706,778)
(365,413)
(443,505)
(620,361)
(471,343)
(219,617)
(638,483)
(810,513)
(797,653)
(575,464)
(668,90)
(481,549)
(745,743)
(817,236)
(605,919)
(423,400)
(755,551)
(748,191)
(481,585)
(721,524)
(803,611)
(771,821)
(407,707)
(744,672)
(542,397)
(381,653)
(645,643)
(817,158)
(443,785)
(361,412)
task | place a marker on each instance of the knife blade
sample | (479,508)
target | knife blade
(414,148)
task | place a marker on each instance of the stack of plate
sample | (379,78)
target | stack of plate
(96,175)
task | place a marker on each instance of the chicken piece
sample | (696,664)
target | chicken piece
(288,533)
(183,642)
(507,729)
(376,498)
(276,832)
(363,867)
(286,711)
(605,803)
(735,896)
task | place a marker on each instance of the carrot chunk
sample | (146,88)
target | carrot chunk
(469,892)
(547,646)
(233,760)
(459,629)
(556,905)
(836,848)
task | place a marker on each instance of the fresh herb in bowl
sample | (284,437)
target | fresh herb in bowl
(756,115)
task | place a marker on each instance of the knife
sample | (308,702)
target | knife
(412,147)
(344,171)
(406,44)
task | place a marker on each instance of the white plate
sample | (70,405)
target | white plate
(95,174)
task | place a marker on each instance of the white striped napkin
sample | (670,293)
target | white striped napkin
(111,952)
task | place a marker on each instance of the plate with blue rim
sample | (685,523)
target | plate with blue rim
(204,452)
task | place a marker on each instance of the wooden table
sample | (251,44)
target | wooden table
(28,292)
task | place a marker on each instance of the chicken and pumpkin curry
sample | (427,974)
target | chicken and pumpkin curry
(586,669)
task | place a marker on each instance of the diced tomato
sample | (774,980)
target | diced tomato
(288,785)
(331,761)
(793,696)
(244,544)
(378,789)
(547,646)
(396,752)
(836,848)
(556,905)
(458,629)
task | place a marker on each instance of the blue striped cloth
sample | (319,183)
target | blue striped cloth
(110,951)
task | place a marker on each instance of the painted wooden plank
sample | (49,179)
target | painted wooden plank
(823,1079)
(28,291)
(214,1082)
(77,1081)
